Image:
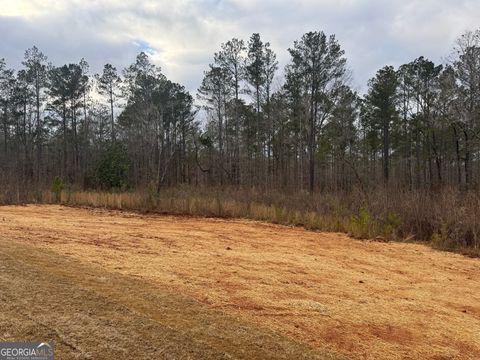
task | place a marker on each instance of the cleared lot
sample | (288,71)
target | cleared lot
(102,281)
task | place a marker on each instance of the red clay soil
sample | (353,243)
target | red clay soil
(364,299)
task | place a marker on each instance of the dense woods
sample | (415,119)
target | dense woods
(240,179)
(250,124)
(296,145)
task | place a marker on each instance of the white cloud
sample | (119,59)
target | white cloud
(183,35)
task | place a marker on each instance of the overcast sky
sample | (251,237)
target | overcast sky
(182,36)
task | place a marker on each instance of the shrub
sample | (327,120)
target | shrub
(57,187)
(448,218)
(112,169)
(364,225)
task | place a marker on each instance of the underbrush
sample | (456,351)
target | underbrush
(447,219)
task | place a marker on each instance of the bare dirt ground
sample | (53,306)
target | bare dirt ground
(106,284)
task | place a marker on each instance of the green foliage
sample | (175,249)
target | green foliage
(205,140)
(281,215)
(57,187)
(390,226)
(112,169)
(441,237)
(364,224)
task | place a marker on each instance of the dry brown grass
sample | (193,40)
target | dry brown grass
(447,218)
(368,300)
(92,313)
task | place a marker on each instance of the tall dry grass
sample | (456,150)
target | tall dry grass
(448,219)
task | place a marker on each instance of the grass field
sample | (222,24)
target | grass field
(110,284)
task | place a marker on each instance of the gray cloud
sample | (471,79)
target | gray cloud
(183,35)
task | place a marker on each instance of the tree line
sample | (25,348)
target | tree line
(106,130)
(250,124)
